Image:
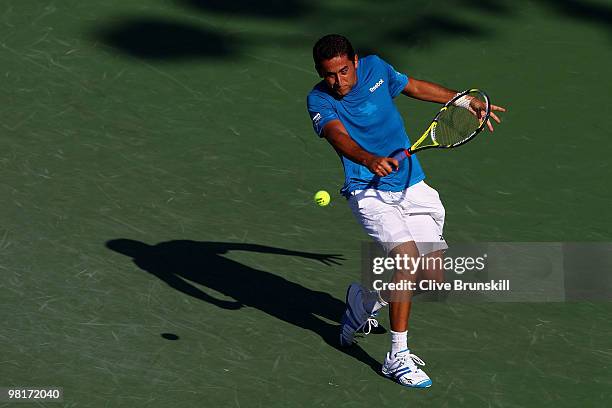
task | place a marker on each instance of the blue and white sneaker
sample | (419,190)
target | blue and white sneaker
(402,367)
(356,317)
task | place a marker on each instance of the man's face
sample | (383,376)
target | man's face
(339,73)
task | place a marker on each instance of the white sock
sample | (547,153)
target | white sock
(399,341)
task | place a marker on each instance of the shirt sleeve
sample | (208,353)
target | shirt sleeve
(321,112)
(396,80)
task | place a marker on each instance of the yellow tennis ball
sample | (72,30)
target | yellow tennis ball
(322,198)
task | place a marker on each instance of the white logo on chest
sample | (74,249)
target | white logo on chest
(377,85)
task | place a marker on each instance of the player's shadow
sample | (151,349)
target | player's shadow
(181,263)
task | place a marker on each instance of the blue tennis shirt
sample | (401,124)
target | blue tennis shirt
(372,120)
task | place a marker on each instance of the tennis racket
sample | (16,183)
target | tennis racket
(455,124)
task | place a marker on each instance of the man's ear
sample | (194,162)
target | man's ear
(356,61)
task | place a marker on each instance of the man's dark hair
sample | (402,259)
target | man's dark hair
(330,46)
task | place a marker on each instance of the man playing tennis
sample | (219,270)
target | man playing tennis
(352,107)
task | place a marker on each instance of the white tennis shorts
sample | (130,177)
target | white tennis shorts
(392,218)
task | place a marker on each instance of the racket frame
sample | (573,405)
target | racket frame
(405,153)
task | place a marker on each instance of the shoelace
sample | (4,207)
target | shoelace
(368,325)
(408,359)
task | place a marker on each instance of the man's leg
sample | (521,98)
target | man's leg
(432,267)
(383,222)
(400,301)
(400,364)
(387,223)
(431,270)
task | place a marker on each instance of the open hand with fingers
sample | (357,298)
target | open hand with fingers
(479,109)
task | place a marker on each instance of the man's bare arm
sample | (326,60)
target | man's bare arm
(428,91)
(338,137)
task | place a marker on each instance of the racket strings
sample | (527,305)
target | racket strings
(456,124)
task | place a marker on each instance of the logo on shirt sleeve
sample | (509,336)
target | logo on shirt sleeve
(316,119)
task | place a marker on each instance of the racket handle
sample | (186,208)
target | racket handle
(401,155)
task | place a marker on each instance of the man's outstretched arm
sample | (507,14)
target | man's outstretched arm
(327,259)
(428,91)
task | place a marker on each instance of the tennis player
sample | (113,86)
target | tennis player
(352,107)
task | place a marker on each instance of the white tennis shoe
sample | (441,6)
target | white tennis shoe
(403,368)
